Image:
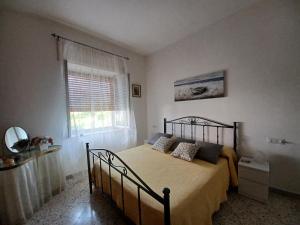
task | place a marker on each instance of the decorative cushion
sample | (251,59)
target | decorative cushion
(163,144)
(208,151)
(156,136)
(185,151)
(178,140)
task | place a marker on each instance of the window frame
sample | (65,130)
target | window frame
(91,130)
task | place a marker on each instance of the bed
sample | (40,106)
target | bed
(154,188)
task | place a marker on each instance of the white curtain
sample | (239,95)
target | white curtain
(98,103)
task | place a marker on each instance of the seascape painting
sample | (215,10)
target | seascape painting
(210,85)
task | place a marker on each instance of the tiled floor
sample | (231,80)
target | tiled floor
(75,206)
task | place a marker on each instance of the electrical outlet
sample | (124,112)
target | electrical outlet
(272,140)
(276,140)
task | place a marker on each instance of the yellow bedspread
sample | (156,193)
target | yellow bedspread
(197,188)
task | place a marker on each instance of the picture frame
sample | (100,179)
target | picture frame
(204,86)
(136,90)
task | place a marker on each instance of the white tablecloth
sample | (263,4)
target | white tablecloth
(23,190)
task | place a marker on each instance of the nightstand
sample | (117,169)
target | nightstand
(254,179)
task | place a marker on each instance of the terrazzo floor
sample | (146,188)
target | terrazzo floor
(75,206)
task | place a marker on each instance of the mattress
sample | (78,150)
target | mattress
(197,188)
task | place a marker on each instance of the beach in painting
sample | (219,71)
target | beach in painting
(209,85)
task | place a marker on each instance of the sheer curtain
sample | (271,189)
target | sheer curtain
(98,102)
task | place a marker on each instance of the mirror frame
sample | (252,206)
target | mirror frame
(15,151)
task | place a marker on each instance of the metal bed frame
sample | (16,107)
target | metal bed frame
(110,158)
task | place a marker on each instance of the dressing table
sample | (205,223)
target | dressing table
(29,182)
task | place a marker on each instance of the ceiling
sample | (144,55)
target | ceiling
(143,26)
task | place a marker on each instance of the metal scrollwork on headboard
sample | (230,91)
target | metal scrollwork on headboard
(193,121)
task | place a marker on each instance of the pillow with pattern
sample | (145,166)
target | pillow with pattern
(185,151)
(178,140)
(163,144)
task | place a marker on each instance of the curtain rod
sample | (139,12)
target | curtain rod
(101,50)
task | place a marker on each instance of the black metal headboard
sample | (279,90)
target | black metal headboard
(194,121)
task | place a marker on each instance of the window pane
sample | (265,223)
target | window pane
(103,119)
(91,120)
(121,118)
(81,120)
(96,101)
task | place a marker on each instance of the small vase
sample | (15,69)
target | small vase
(43,147)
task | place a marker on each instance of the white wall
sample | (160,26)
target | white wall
(260,49)
(32,86)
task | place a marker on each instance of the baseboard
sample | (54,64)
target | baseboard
(78,176)
(283,192)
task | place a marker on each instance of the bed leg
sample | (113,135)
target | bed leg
(167,219)
(235,136)
(165,125)
(89,167)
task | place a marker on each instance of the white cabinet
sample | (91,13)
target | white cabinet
(254,179)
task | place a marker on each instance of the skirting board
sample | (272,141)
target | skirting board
(78,176)
(283,192)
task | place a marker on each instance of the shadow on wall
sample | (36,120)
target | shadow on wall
(241,140)
(244,148)
(3,151)
(281,167)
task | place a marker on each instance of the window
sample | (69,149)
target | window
(97,100)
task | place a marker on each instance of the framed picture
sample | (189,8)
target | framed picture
(210,85)
(136,90)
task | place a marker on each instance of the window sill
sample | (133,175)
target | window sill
(102,131)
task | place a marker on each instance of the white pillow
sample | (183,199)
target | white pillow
(185,151)
(163,144)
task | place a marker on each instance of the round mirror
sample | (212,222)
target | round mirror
(16,139)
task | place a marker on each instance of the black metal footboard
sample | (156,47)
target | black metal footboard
(106,156)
